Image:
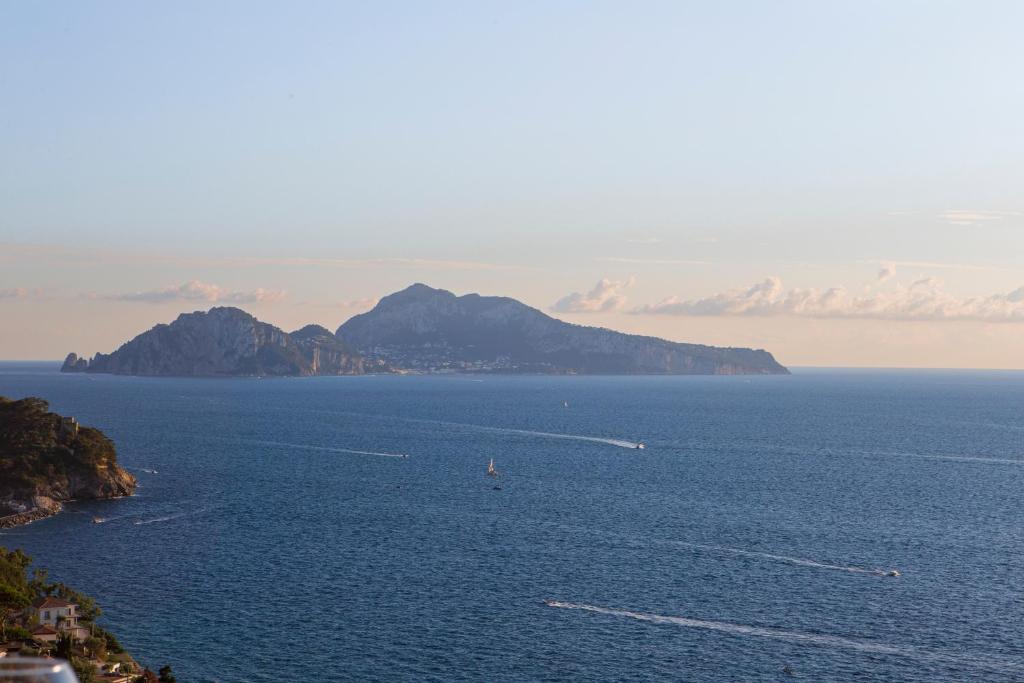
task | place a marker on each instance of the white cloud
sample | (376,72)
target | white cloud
(923,300)
(974,216)
(886,272)
(202,291)
(606,296)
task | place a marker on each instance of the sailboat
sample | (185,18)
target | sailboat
(491,472)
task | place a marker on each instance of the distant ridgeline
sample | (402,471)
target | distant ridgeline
(46,459)
(227,342)
(420,329)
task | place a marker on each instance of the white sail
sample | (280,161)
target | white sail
(491,472)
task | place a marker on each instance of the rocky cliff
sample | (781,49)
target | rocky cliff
(225,341)
(432,329)
(46,459)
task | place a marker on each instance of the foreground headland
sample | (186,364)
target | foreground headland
(47,459)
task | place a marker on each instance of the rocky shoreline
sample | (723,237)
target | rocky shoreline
(29,516)
(48,459)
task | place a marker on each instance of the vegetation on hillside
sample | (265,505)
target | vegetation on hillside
(42,453)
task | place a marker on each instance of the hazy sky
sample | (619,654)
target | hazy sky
(841,183)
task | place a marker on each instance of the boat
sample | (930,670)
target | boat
(495,488)
(892,572)
(565,404)
(98,520)
(491,472)
(640,446)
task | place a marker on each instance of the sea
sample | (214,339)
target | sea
(279,533)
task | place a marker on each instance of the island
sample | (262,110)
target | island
(226,342)
(417,330)
(47,459)
(433,330)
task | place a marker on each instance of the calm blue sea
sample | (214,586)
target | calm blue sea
(272,538)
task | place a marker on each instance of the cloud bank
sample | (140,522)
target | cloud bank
(923,300)
(606,296)
(202,291)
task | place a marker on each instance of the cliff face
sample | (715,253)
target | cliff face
(225,342)
(46,459)
(432,329)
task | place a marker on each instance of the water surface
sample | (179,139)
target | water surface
(274,532)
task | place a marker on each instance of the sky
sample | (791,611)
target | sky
(837,182)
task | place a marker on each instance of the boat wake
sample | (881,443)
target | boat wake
(952,458)
(107,520)
(742,552)
(167,518)
(621,443)
(991,662)
(799,561)
(328,449)
(967,458)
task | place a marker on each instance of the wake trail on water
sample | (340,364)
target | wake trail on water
(621,443)
(953,458)
(800,561)
(107,520)
(329,449)
(168,518)
(743,552)
(817,639)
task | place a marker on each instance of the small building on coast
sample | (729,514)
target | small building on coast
(56,615)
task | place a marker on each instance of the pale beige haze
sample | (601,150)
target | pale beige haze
(836,182)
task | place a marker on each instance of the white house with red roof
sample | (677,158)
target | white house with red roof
(54,617)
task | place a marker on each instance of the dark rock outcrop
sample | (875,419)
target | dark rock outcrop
(74,364)
(226,342)
(429,329)
(46,459)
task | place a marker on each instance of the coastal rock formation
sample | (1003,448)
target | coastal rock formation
(46,459)
(226,341)
(74,364)
(432,330)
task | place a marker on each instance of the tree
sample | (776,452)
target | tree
(97,646)
(38,583)
(65,647)
(84,670)
(87,607)
(147,677)
(166,675)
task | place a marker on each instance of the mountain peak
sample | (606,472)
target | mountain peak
(311,332)
(418,292)
(433,330)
